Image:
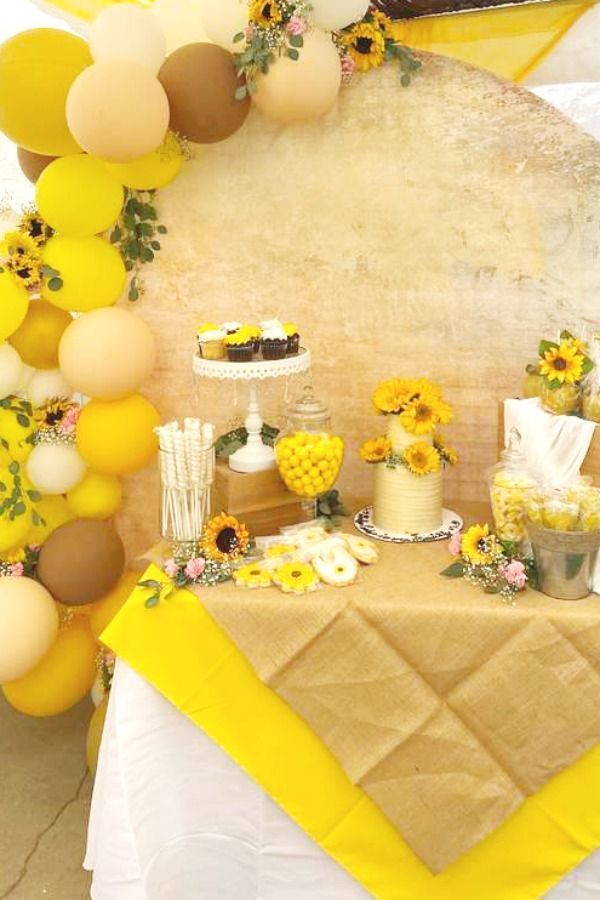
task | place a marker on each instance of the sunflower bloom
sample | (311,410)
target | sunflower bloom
(35,227)
(563,364)
(225,539)
(26,268)
(376,450)
(478,546)
(392,396)
(18,243)
(265,13)
(421,415)
(366,45)
(421,458)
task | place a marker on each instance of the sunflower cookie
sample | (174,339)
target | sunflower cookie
(361,549)
(252,575)
(296,578)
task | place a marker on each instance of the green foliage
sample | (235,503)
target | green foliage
(330,506)
(455,570)
(234,440)
(136,234)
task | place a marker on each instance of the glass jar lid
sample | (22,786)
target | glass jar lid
(308,411)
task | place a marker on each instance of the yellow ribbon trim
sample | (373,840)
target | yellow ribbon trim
(181,650)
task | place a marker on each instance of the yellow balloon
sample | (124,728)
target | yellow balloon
(91,269)
(53,511)
(16,434)
(37,339)
(78,196)
(14,532)
(37,69)
(154,170)
(14,301)
(96,497)
(104,610)
(116,437)
(94,735)
(62,678)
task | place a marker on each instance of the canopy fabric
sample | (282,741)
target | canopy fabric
(509,41)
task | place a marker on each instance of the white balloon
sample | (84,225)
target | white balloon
(181,22)
(332,15)
(223,19)
(55,468)
(128,32)
(11,370)
(46,384)
(27,373)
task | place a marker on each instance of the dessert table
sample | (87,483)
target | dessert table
(405,737)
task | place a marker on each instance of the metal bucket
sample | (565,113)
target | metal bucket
(565,560)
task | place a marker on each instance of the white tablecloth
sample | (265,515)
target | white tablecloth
(173,818)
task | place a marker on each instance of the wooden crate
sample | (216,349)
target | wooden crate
(259,499)
(591,464)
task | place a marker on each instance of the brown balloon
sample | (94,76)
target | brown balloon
(81,561)
(200,81)
(33,164)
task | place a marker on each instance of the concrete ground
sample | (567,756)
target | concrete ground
(44,801)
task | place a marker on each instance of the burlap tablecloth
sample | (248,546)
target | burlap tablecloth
(445,705)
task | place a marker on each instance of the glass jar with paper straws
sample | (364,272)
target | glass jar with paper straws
(187,466)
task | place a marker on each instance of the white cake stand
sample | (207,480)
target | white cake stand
(255,456)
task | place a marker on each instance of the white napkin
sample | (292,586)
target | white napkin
(555,446)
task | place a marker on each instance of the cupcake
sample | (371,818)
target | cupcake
(240,346)
(254,332)
(230,327)
(293,338)
(211,341)
(274,342)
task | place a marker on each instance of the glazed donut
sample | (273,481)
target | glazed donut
(312,535)
(362,549)
(308,551)
(337,568)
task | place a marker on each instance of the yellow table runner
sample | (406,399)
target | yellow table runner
(531,843)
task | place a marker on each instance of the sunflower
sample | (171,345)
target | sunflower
(26,268)
(392,396)
(51,414)
(384,23)
(296,578)
(376,450)
(420,415)
(17,243)
(366,45)
(225,539)
(35,227)
(421,458)
(252,576)
(563,364)
(265,13)
(478,545)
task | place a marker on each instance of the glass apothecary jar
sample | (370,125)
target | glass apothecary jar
(309,454)
(512,490)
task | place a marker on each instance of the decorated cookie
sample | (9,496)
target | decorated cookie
(337,568)
(362,549)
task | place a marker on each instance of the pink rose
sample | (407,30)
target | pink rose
(195,568)
(296,25)
(69,420)
(171,568)
(514,572)
(348,68)
(455,544)
(17,569)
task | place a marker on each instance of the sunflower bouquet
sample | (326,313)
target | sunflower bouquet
(494,565)
(21,253)
(563,365)
(418,408)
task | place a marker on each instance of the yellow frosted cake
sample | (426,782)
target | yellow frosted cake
(409,459)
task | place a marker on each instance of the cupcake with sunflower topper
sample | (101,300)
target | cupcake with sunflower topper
(409,459)
(211,341)
(240,345)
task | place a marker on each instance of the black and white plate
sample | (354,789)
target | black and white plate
(451,522)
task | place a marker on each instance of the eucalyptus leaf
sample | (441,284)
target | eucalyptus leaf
(456,570)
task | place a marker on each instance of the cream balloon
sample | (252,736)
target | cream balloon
(11,370)
(223,19)
(55,468)
(181,22)
(27,373)
(118,110)
(46,384)
(126,31)
(306,88)
(107,353)
(28,626)
(332,15)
